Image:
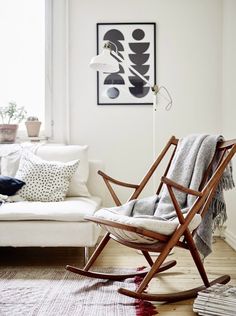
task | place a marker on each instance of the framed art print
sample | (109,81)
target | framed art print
(136,44)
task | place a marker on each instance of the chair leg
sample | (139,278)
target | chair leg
(156,265)
(89,261)
(196,257)
(148,257)
(97,251)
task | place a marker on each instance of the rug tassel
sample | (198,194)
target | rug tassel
(143,308)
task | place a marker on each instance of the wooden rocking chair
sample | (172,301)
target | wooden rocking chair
(181,237)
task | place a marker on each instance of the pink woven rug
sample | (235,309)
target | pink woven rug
(37,291)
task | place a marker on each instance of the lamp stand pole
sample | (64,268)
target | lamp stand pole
(154,110)
(155,90)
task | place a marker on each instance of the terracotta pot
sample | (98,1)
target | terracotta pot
(8,133)
(33,128)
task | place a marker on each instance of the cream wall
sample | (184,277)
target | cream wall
(229,104)
(189,54)
(195,61)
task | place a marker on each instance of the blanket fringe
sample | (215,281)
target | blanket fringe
(227,181)
(219,214)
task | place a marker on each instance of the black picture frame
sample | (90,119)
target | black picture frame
(136,43)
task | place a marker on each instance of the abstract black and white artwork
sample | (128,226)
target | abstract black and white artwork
(136,44)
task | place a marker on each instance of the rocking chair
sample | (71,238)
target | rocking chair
(182,236)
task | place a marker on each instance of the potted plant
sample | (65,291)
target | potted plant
(11,116)
(33,126)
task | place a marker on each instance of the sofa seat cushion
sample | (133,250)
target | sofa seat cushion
(70,210)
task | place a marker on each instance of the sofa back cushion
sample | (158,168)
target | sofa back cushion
(66,153)
(46,181)
(54,152)
(10,157)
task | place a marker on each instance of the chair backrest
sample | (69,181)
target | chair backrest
(171,145)
(225,150)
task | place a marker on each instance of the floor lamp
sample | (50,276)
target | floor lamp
(108,61)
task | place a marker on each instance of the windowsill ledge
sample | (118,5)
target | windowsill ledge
(31,139)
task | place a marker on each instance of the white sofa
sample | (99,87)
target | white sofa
(52,224)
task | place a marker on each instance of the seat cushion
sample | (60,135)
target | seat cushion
(71,209)
(150,223)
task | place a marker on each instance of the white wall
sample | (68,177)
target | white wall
(189,55)
(229,104)
(196,51)
(59,70)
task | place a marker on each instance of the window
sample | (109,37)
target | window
(22,55)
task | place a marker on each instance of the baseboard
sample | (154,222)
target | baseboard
(230,238)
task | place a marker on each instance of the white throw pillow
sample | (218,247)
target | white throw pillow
(10,164)
(78,184)
(11,157)
(46,181)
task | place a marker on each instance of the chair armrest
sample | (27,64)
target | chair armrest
(124,184)
(180,187)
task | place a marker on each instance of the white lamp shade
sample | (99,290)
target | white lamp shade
(105,62)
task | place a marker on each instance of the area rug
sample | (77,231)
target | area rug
(41,291)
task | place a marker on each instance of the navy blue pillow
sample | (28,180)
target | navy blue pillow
(9,186)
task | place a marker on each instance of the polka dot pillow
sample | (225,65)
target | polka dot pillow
(46,181)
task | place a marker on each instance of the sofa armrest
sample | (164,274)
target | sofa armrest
(95,183)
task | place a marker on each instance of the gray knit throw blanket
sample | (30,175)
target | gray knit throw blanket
(193,155)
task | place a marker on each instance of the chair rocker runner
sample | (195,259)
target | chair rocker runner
(152,241)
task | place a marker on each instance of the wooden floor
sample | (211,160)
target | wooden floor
(182,276)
